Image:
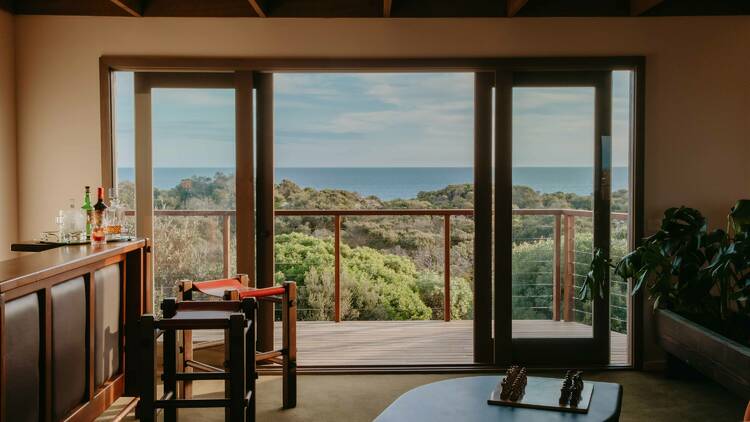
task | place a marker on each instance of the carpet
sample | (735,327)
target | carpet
(354,398)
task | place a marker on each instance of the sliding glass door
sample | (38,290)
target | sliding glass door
(553,185)
(229,178)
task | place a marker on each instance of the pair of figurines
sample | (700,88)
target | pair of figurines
(572,386)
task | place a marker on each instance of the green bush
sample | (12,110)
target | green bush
(391,265)
(431,289)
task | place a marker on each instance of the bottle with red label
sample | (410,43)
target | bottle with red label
(98,226)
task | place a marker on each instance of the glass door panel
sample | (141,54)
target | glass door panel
(193,185)
(555,174)
(553,180)
(621,229)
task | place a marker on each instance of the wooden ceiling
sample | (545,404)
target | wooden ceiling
(377,8)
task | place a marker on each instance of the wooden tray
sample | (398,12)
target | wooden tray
(544,393)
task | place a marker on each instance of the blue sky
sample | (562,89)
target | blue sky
(372,120)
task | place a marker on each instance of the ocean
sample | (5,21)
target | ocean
(401,182)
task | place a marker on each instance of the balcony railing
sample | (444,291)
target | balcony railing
(563,231)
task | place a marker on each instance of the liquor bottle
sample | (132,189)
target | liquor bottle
(98,233)
(114,216)
(89,210)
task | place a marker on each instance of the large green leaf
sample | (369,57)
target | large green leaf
(739,216)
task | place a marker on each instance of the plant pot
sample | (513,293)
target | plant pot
(719,358)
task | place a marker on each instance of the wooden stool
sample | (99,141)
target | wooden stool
(237,319)
(236,288)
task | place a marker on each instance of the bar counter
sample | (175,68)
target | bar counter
(65,317)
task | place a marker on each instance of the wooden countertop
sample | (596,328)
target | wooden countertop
(40,265)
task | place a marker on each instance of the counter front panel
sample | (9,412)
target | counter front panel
(63,314)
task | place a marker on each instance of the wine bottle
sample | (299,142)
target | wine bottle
(89,210)
(98,233)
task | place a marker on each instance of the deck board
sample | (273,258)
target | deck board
(416,342)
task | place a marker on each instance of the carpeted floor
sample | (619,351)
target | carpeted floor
(353,398)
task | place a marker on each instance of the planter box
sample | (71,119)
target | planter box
(724,360)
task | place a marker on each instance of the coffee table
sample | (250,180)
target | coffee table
(465,399)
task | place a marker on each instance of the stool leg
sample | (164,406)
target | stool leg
(147,380)
(170,370)
(250,347)
(186,386)
(237,375)
(186,351)
(289,327)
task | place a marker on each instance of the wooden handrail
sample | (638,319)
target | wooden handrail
(567,232)
(622,216)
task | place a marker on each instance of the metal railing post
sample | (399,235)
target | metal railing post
(337,267)
(556,270)
(447,269)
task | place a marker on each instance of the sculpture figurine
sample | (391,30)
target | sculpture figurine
(572,386)
(513,385)
(518,388)
(575,396)
(566,388)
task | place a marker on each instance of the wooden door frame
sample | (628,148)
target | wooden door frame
(636,64)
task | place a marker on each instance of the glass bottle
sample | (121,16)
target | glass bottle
(89,210)
(74,223)
(98,234)
(115,216)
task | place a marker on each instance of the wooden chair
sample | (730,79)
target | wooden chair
(236,288)
(237,319)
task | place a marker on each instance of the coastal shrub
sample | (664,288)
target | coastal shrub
(391,265)
(431,288)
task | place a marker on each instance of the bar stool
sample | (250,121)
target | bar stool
(236,288)
(237,318)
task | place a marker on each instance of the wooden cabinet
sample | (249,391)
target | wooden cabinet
(65,317)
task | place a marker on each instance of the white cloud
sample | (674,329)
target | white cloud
(164,97)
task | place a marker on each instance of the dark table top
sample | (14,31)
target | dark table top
(33,246)
(27,269)
(37,246)
(465,399)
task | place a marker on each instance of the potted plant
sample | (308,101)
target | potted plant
(699,282)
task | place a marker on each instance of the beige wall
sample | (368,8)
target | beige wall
(697,93)
(8,180)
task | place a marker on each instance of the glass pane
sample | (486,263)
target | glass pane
(124,140)
(193,139)
(621,135)
(553,159)
(374,142)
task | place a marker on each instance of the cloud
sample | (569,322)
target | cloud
(376,119)
(173,97)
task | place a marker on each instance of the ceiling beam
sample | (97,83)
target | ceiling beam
(515,6)
(639,7)
(258,9)
(132,7)
(387,4)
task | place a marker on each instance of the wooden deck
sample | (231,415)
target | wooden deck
(416,342)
